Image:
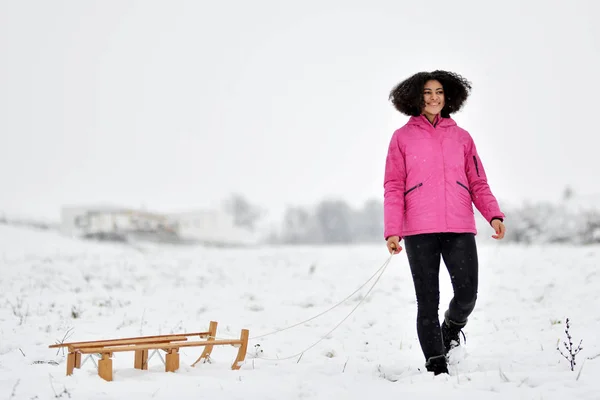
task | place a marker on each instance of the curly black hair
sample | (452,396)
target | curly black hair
(407,96)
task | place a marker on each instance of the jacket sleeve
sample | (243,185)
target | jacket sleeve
(394,186)
(482,195)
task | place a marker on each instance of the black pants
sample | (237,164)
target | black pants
(459,253)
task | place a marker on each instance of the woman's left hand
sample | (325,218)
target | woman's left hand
(499,228)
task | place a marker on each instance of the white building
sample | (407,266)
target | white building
(213,227)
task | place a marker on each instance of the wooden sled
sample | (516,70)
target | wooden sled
(140,346)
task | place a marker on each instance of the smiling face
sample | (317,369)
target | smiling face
(433,96)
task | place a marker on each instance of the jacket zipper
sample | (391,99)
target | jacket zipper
(413,188)
(476,165)
(463,186)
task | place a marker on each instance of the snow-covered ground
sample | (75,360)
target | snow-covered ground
(51,285)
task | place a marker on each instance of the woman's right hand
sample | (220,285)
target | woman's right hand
(393,244)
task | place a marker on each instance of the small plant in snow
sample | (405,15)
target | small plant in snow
(571,352)
(19,311)
(75,312)
(65,392)
(257,351)
(14,391)
(61,341)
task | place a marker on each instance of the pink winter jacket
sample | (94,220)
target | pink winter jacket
(433,175)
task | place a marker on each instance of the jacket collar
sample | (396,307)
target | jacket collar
(423,122)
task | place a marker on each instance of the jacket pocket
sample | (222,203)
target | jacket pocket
(476,165)
(413,188)
(463,186)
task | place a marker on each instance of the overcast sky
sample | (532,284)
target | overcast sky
(175,104)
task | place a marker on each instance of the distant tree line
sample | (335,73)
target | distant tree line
(537,223)
(332,221)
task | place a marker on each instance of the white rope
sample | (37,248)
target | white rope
(331,308)
(383,266)
(382,269)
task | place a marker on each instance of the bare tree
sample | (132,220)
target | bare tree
(244,213)
(334,219)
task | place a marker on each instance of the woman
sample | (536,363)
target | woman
(433,176)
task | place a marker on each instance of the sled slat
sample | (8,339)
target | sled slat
(140,339)
(160,346)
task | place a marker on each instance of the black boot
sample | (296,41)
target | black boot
(437,365)
(451,333)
